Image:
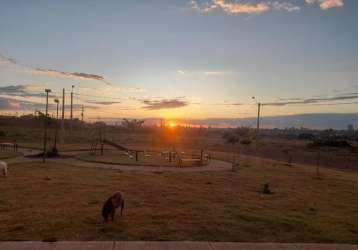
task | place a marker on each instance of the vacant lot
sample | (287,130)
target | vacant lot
(57,202)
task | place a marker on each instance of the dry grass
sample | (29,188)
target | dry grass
(8,154)
(57,202)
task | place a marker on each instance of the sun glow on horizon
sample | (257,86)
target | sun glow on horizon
(172,124)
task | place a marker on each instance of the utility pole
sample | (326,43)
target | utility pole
(45,127)
(258,119)
(71,114)
(63,116)
(82,112)
(56,131)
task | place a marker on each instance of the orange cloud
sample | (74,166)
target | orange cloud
(238,8)
(164,104)
(327,4)
(230,7)
(243,8)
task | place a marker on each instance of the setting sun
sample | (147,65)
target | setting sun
(172,124)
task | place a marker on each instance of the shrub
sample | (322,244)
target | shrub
(306,136)
(330,143)
(235,166)
(266,189)
(246,141)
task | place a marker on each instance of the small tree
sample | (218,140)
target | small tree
(132,125)
(237,135)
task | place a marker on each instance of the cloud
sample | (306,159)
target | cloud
(134,90)
(20,90)
(327,4)
(164,104)
(232,7)
(29,98)
(285,6)
(241,7)
(75,75)
(297,101)
(105,103)
(11,104)
(14,104)
(237,8)
(233,104)
(6,60)
(216,73)
(55,73)
(204,73)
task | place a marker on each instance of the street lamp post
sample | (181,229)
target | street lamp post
(45,126)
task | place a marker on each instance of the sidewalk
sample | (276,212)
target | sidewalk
(158,245)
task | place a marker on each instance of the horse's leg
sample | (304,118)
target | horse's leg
(112,214)
(122,207)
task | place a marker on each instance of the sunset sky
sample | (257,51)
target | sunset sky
(181,59)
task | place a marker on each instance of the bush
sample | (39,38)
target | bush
(235,166)
(240,134)
(330,143)
(306,136)
(246,142)
(266,189)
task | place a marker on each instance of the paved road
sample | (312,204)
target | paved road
(155,245)
(214,165)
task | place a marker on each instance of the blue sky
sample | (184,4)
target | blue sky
(183,59)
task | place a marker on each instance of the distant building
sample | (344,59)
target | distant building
(350,127)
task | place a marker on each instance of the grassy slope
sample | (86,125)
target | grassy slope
(61,202)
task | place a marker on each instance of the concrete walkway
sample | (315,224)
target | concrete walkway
(159,245)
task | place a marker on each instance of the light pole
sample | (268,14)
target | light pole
(258,118)
(45,126)
(62,135)
(56,131)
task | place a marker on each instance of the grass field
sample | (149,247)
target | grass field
(57,202)
(8,154)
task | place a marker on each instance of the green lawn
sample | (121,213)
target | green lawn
(59,202)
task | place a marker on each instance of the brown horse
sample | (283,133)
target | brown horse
(110,206)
